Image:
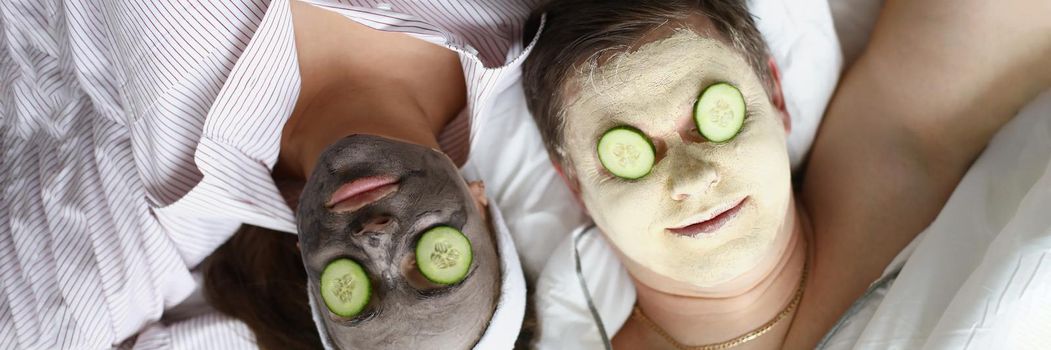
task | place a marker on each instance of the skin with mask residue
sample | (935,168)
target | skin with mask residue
(405,311)
(692,177)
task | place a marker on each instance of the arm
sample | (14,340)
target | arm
(938,79)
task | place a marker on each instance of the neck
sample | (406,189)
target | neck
(357,80)
(342,112)
(737,310)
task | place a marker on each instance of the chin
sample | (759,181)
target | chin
(732,262)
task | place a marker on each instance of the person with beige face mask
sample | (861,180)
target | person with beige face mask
(633,105)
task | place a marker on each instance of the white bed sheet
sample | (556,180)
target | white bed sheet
(980,276)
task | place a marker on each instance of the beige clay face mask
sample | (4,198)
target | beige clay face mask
(654,89)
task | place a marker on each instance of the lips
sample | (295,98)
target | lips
(361,192)
(714,221)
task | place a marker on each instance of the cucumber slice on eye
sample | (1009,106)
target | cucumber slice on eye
(626,152)
(444,255)
(719,112)
(345,287)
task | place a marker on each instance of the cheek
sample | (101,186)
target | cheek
(606,199)
(622,208)
(763,168)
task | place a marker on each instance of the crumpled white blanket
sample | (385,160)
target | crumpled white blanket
(980,276)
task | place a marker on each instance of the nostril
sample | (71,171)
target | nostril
(376,224)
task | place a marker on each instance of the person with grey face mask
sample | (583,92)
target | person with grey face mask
(399,251)
(367,219)
(275,174)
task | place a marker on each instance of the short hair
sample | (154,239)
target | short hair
(574,30)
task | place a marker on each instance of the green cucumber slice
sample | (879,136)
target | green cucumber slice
(444,255)
(626,152)
(719,112)
(345,287)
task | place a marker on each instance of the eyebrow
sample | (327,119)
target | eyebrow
(322,256)
(433,293)
(445,290)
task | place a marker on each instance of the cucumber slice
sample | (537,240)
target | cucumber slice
(345,287)
(719,112)
(444,255)
(626,152)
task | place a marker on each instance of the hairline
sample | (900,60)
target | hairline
(747,42)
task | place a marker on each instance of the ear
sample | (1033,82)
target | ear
(477,189)
(290,190)
(777,97)
(574,187)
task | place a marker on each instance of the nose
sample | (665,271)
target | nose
(378,244)
(692,178)
(376,224)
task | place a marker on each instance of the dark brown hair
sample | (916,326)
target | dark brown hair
(258,277)
(574,30)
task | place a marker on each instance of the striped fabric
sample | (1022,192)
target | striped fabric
(137,135)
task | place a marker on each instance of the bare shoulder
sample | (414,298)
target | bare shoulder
(937,80)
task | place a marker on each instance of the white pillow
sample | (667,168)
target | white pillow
(803,41)
(509,155)
(854,20)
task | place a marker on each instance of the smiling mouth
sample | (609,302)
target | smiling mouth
(714,223)
(361,192)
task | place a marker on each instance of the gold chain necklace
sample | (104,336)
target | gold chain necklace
(637,313)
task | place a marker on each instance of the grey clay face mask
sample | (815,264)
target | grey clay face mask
(405,311)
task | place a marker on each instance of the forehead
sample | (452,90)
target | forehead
(660,77)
